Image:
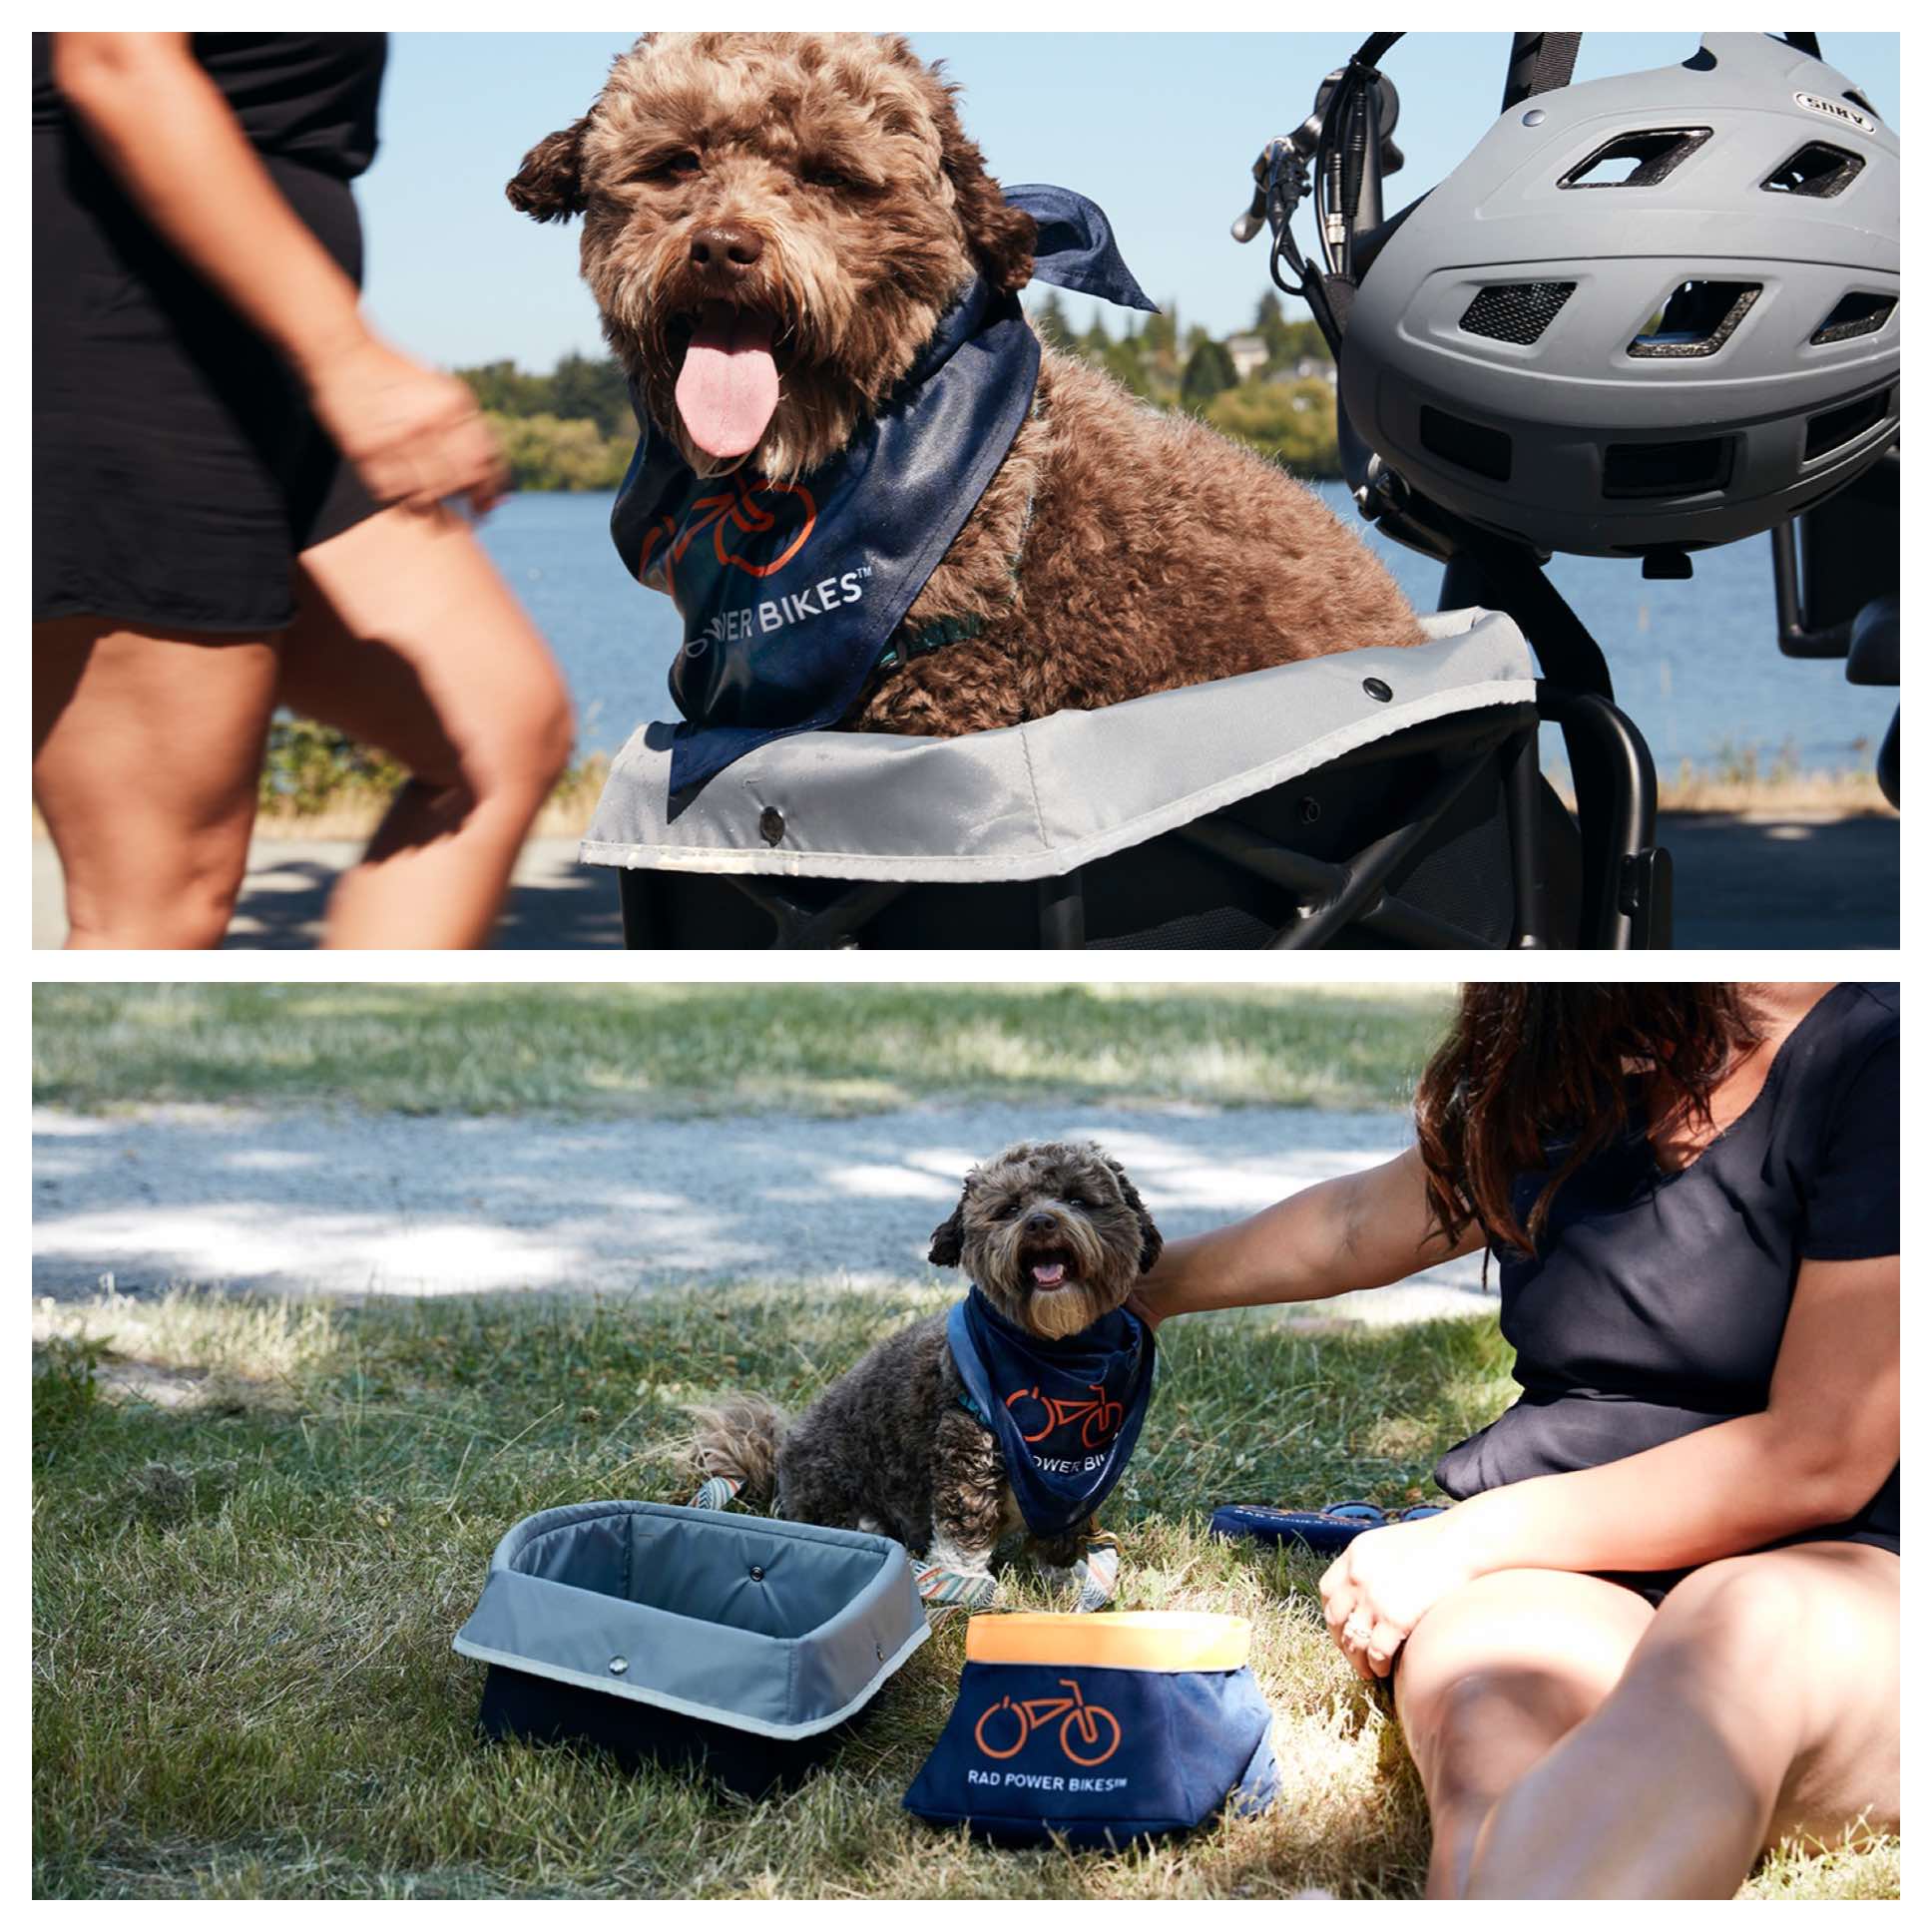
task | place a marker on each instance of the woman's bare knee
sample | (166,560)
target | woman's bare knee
(409,640)
(1790,1658)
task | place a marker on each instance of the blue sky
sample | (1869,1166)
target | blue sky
(1160,128)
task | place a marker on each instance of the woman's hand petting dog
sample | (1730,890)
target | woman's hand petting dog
(1376,1591)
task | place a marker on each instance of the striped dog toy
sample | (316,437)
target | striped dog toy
(1099,1569)
(714,1492)
(957,1589)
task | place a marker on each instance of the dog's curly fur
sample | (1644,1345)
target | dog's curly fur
(887,1447)
(1115,553)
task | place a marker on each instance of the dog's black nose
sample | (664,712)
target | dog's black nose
(1040,1225)
(726,251)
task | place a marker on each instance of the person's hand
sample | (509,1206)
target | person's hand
(1375,1593)
(414,437)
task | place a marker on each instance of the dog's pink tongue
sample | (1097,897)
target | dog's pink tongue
(1049,1274)
(729,385)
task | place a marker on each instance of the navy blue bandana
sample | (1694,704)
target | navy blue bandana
(790,591)
(1066,1414)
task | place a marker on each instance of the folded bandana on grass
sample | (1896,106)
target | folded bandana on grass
(790,590)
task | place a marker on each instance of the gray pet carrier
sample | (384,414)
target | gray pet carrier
(735,1643)
(1377,798)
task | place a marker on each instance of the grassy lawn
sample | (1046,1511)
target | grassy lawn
(592,1050)
(257,1526)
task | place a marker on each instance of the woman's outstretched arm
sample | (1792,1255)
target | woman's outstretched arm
(162,125)
(1360,1231)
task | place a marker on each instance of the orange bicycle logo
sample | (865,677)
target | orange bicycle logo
(752,508)
(1098,1419)
(1092,1726)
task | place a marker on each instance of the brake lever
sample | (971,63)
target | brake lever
(1245,226)
(1282,165)
(1284,160)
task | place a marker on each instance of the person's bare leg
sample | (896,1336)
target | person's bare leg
(1763,1701)
(409,640)
(147,756)
(1491,1679)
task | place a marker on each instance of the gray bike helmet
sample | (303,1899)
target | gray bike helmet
(1653,313)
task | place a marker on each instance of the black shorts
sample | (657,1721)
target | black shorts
(1655,1584)
(178,469)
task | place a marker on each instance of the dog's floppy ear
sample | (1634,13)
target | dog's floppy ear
(1000,236)
(949,1238)
(1151,1243)
(549,187)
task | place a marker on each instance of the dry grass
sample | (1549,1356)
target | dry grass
(243,1602)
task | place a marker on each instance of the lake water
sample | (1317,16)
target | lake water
(1695,664)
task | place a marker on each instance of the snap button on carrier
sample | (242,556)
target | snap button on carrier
(1377,690)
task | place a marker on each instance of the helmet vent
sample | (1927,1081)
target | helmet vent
(1856,315)
(1667,469)
(1470,446)
(1817,169)
(1516,311)
(1836,427)
(1698,319)
(1638,160)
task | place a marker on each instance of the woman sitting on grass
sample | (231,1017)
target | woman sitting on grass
(1658,1630)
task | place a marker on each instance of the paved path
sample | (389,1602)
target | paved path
(350,1203)
(1783,881)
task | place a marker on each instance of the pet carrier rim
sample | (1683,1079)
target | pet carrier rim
(891,1577)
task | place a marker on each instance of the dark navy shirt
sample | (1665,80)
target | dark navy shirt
(310,98)
(1658,1303)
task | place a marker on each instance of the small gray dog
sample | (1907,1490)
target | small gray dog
(1054,1236)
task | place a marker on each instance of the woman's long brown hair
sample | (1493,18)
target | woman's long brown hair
(1525,1065)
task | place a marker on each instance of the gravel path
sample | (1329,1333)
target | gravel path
(350,1204)
(1763,879)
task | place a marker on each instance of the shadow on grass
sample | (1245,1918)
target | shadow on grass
(244,1684)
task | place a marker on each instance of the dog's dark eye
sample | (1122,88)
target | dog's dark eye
(676,167)
(1075,1200)
(829,178)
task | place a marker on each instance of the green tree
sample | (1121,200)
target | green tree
(504,387)
(1124,361)
(1210,370)
(593,386)
(1050,321)
(1291,422)
(548,453)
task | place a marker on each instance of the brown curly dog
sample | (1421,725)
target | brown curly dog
(819,188)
